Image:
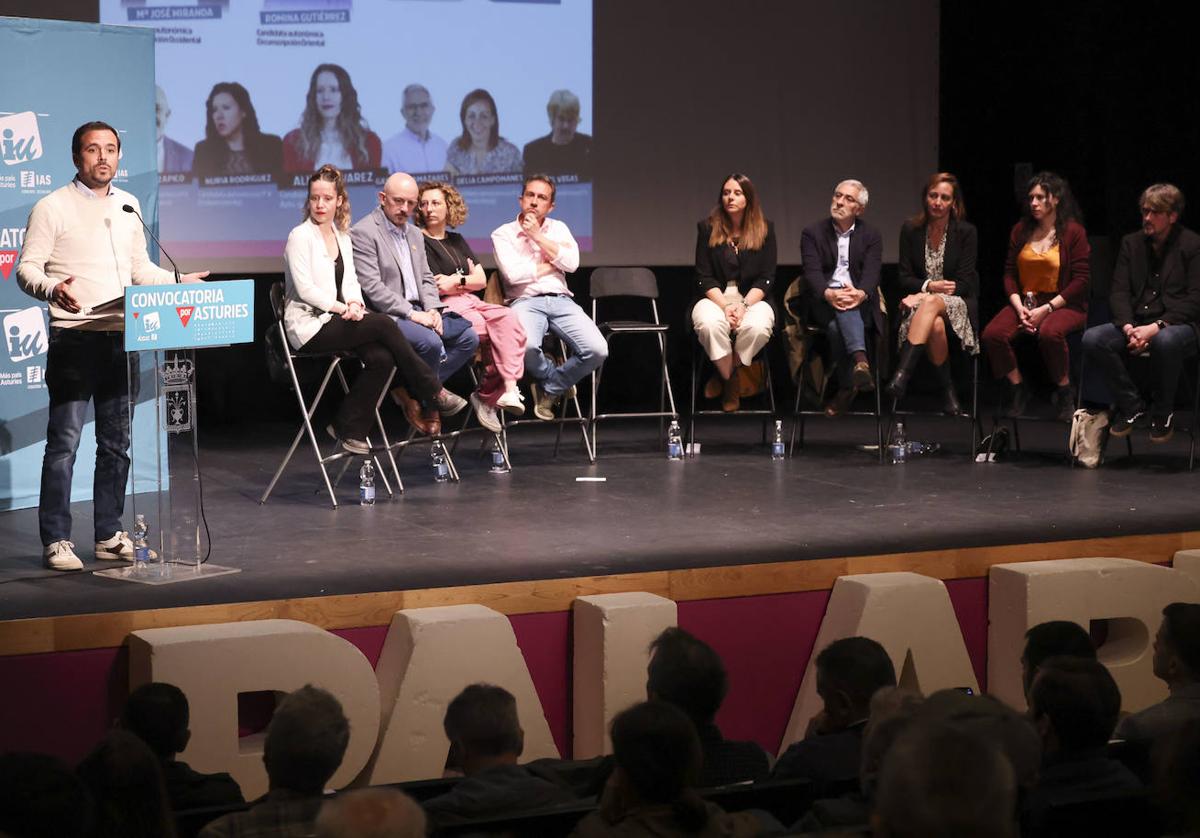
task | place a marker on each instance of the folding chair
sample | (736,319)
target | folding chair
(335,360)
(638,283)
(767,413)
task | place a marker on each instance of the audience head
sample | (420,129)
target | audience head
(158,715)
(1177,645)
(1074,702)
(849,672)
(126,781)
(1052,639)
(378,812)
(437,200)
(563,110)
(306,740)
(941,198)
(40,797)
(993,722)
(1048,195)
(229,111)
(1177,776)
(892,711)
(480,121)
(483,728)
(658,756)
(686,672)
(328,201)
(938,780)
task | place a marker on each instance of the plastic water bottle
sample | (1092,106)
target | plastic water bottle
(499,464)
(366,483)
(141,548)
(1030,301)
(777,442)
(437,458)
(674,441)
(899,443)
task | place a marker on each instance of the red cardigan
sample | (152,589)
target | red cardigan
(1074,270)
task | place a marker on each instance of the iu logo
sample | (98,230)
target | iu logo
(25,333)
(8,258)
(185,313)
(20,140)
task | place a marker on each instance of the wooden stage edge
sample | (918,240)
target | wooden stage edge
(109,630)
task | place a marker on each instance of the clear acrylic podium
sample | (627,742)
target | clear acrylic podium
(164,325)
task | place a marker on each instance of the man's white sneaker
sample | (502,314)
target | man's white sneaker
(119,548)
(512,402)
(61,556)
(486,414)
(450,404)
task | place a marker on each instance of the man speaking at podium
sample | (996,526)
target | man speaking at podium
(82,248)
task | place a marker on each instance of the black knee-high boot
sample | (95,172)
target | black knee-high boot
(950,404)
(910,356)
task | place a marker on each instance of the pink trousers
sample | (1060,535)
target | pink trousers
(501,340)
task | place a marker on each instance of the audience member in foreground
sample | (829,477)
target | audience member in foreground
(486,740)
(686,672)
(371,813)
(992,722)
(1050,640)
(650,793)
(938,781)
(306,740)
(1177,662)
(158,714)
(126,782)
(849,672)
(1074,703)
(41,798)
(1178,777)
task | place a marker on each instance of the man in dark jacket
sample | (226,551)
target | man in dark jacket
(1155,301)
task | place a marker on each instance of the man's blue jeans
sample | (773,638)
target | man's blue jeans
(448,352)
(81,366)
(847,334)
(562,316)
(1104,347)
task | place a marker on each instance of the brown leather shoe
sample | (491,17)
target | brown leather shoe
(863,380)
(425,422)
(840,403)
(713,387)
(730,400)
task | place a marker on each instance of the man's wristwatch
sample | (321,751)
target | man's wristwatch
(1161,324)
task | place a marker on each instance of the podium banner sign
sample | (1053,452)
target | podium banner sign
(189,316)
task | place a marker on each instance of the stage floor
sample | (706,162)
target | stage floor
(730,506)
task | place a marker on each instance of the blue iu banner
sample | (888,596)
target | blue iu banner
(43,99)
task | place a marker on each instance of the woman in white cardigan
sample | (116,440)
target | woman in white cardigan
(325,313)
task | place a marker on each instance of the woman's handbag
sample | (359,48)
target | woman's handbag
(1089,435)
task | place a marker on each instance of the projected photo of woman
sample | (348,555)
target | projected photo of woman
(332,128)
(233,143)
(481,149)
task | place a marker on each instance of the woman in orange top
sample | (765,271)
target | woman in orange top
(1046,279)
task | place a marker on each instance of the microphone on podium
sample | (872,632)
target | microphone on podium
(146,227)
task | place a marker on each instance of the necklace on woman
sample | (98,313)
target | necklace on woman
(1043,244)
(453,257)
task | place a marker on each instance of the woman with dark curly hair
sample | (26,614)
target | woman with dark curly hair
(233,143)
(459,278)
(332,129)
(480,149)
(1046,278)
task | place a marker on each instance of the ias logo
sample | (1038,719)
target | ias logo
(25,333)
(20,140)
(152,322)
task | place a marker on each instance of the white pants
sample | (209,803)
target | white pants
(712,328)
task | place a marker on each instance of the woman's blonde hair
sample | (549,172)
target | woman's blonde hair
(456,207)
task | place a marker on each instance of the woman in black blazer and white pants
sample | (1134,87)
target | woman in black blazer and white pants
(937,270)
(735,266)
